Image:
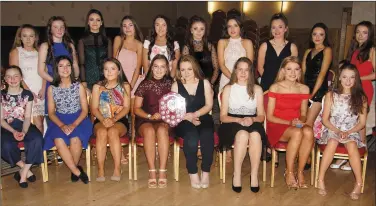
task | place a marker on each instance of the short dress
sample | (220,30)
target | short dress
(151,90)
(128,60)
(240,105)
(343,119)
(287,107)
(111,102)
(68,109)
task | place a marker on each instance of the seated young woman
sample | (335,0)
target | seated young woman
(110,105)
(16,127)
(286,115)
(198,125)
(242,113)
(148,120)
(344,116)
(68,110)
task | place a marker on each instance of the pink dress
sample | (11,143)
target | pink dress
(128,60)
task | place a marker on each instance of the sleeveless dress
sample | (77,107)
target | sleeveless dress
(92,51)
(365,68)
(156,49)
(111,102)
(240,105)
(68,109)
(58,49)
(313,68)
(287,107)
(232,53)
(343,119)
(205,61)
(272,64)
(28,62)
(128,60)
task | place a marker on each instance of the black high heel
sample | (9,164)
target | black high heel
(83,176)
(235,189)
(254,189)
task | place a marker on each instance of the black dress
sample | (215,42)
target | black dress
(272,64)
(313,68)
(205,61)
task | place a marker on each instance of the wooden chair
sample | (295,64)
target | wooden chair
(341,153)
(223,155)
(45,179)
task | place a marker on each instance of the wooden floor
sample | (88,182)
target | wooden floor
(60,191)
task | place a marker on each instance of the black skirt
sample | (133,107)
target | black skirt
(227,132)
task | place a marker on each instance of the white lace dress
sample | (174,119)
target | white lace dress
(28,62)
(342,118)
(232,53)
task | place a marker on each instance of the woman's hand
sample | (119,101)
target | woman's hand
(297,123)
(108,122)
(189,117)
(196,121)
(247,121)
(41,93)
(343,135)
(71,127)
(66,129)
(156,116)
(19,136)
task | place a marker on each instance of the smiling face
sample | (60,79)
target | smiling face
(347,78)
(94,22)
(64,68)
(361,34)
(198,30)
(110,71)
(128,27)
(292,71)
(58,29)
(28,37)
(278,28)
(13,77)
(186,70)
(160,27)
(159,68)
(242,72)
(318,36)
(233,28)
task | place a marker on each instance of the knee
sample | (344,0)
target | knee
(7,145)
(255,137)
(190,141)
(297,134)
(242,136)
(162,130)
(101,133)
(113,132)
(308,132)
(75,141)
(149,133)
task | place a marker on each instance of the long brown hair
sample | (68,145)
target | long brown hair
(365,48)
(17,39)
(195,66)
(150,72)
(251,76)
(290,59)
(358,96)
(137,32)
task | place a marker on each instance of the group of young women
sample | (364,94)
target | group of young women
(44,80)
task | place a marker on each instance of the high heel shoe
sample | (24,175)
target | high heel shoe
(355,195)
(254,189)
(235,189)
(152,183)
(293,185)
(302,184)
(322,191)
(162,182)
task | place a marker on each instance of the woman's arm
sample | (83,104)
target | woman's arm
(304,66)
(84,107)
(81,55)
(115,48)
(208,100)
(221,58)
(42,66)
(127,103)
(260,105)
(136,72)
(326,113)
(95,103)
(215,65)
(4,123)
(27,121)
(324,69)
(261,58)
(362,121)
(175,61)
(14,60)
(294,50)
(52,108)
(138,102)
(248,45)
(372,58)
(304,104)
(75,62)
(145,60)
(223,115)
(271,106)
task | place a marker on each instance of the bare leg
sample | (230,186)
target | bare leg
(326,159)
(38,122)
(304,152)
(254,151)
(312,114)
(356,165)
(163,147)
(147,131)
(114,134)
(66,156)
(240,149)
(75,149)
(101,146)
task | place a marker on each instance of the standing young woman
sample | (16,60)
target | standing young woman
(231,47)
(242,114)
(58,44)
(287,115)
(16,126)
(161,42)
(344,115)
(110,105)
(67,110)
(148,120)
(93,48)
(25,55)
(272,52)
(198,46)
(197,125)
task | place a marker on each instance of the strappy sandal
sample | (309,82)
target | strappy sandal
(322,191)
(355,195)
(294,185)
(302,185)
(162,182)
(152,183)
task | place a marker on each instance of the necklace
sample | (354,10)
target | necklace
(196,42)
(282,45)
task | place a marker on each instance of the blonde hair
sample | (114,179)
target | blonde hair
(195,66)
(290,59)
(251,76)
(17,39)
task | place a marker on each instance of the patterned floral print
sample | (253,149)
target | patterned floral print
(14,106)
(111,101)
(342,118)
(67,100)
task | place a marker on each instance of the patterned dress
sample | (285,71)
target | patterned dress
(343,119)
(68,109)
(156,49)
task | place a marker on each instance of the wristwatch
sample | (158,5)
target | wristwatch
(149,116)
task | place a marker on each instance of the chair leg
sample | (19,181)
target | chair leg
(177,162)
(264,170)
(175,153)
(220,165)
(135,161)
(224,167)
(273,168)
(365,158)
(130,161)
(55,156)
(45,179)
(318,154)
(312,165)
(88,161)
(94,155)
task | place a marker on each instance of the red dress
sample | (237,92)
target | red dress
(365,68)
(287,107)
